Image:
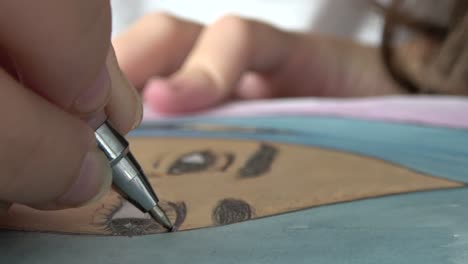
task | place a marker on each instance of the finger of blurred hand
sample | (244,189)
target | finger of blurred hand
(156,45)
(237,58)
(224,52)
(49,158)
(59,48)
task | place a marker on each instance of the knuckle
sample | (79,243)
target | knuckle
(240,31)
(162,20)
(236,25)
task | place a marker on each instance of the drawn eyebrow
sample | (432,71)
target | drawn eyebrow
(260,162)
(229,161)
(229,211)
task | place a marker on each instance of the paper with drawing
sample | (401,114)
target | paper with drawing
(223,171)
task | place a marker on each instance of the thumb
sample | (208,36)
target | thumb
(49,158)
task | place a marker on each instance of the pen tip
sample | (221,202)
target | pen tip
(159,216)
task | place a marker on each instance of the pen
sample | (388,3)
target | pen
(127,176)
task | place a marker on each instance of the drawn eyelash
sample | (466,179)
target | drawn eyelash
(103,215)
(134,226)
(103,218)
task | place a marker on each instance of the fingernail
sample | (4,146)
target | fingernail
(95,97)
(130,103)
(93,182)
(139,103)
(199,86)
(180,94)
(96,119)
(139,112)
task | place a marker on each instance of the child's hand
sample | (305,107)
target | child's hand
(185,67)
(57,70)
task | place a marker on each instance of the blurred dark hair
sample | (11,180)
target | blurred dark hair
(399,17)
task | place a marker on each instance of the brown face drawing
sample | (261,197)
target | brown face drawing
(208,182)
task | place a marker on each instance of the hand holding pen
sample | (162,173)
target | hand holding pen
(58,77)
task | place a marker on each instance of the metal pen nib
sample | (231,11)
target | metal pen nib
(128,177)
(159,216)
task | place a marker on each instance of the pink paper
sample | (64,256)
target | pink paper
(444,111)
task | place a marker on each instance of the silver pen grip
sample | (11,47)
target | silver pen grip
(111,142)
(128,177)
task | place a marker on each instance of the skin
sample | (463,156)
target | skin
(181,66)
(177,65)
(63,102)
(58,80)
(299,177)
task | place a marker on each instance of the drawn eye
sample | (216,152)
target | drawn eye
(229,211)
(134,226)
(192,162)
(123,219)
(129,221)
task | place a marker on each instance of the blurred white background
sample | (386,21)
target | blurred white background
(349,18)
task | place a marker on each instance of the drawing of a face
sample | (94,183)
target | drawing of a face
(208,182)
